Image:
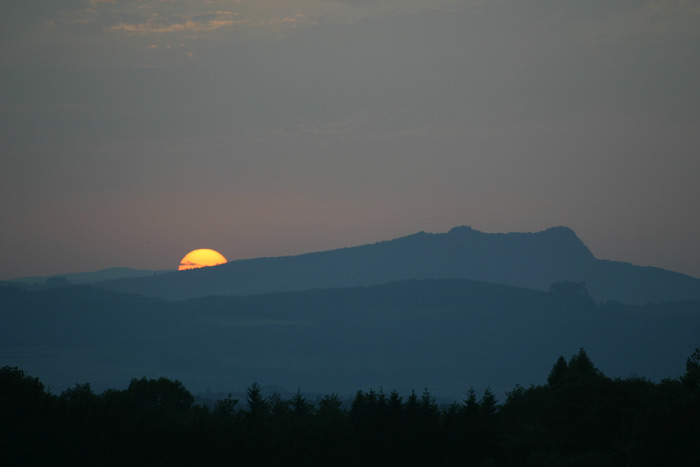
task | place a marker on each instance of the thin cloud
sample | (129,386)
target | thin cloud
(187,26)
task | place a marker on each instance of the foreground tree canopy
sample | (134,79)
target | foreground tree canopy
(579,417)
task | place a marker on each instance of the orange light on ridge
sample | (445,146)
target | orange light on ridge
(201,258)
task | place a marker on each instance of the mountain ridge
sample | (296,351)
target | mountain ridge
(532,260)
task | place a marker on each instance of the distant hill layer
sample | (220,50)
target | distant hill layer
(91,277)
(532,260)
(446,335)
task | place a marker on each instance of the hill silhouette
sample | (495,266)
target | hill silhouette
(446,334)
(90,277)
(532,260)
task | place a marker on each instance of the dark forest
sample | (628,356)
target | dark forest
(579,417)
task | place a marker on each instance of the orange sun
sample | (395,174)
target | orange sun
(201,258)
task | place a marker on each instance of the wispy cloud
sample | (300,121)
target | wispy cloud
(159,23)
(152,27)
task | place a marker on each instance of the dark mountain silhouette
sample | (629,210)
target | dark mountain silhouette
(445,334)
(532,260)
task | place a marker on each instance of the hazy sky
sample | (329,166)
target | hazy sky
(133,131)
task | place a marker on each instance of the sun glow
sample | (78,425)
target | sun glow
(201,258)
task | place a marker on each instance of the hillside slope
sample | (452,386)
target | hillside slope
(446,334)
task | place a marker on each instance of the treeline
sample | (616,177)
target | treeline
(579,417)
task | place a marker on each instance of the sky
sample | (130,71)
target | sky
(134,131)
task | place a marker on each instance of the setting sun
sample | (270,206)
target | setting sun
(201,258)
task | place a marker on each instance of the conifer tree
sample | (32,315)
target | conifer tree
(257,406)
(559,371)
(692,370)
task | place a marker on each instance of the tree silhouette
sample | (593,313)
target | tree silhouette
(257,406)
(558,373)
(692,370)
(580,417)
(159,394)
